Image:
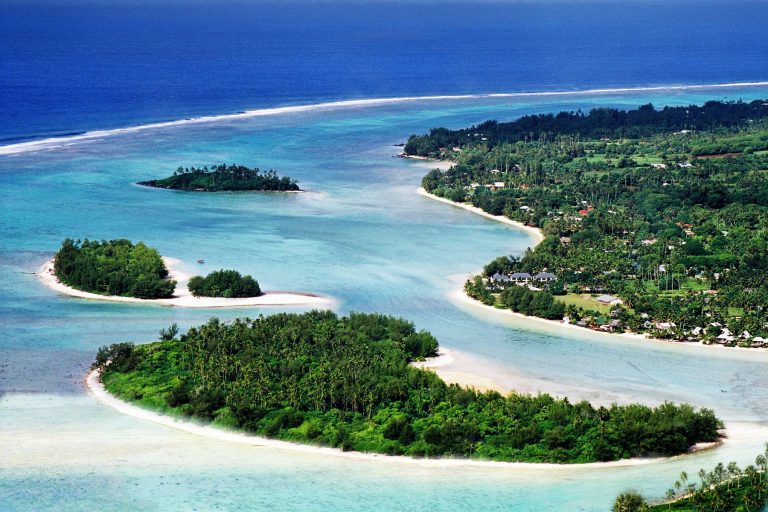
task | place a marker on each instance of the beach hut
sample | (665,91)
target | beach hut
(725,337)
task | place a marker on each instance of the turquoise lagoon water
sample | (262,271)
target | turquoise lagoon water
(362,235)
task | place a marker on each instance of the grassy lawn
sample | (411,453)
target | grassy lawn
(686,285)
(584,301)
(593,158)
(647,159)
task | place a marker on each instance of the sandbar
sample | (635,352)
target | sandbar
(183,297)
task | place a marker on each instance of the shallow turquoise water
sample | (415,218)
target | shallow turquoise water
(362,235)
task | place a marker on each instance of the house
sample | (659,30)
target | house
(725,337)
(500,278)
(609,299)
(498,184)
(520,277)
(664,326)
(545,277)
(611,326)
(659,166)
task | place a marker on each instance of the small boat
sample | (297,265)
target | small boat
(201,261)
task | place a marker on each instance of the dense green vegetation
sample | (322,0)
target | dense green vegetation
(347,382)
(724,489)
(224,283)
(673,224)
(117,267)
(599,123)
(224,177)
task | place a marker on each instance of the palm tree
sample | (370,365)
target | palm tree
(670,497)
(629,501)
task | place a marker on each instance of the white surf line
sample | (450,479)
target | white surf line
(94,385)
(58,142)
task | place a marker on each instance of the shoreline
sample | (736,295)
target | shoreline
(183,298)
(461,296)
(468,379)
(145,184)
(93,383)
(535,233)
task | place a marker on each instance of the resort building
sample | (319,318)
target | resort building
(500,278)
(520,277)
(609,299)
(545,277)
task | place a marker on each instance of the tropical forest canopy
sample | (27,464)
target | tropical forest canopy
(224,283)
(672,223)
(599,123)
(117,267)
(225,178)
(346,382)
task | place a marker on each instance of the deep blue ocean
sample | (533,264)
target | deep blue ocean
(75,66)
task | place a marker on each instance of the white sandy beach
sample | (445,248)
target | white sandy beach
(460,296)
(536,233)
(452,371)
(95,386)
(183,297)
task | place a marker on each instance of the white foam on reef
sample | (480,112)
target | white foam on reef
(65,141)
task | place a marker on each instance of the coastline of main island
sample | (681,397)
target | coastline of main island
(183,297)
(460,295)
(615,259)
